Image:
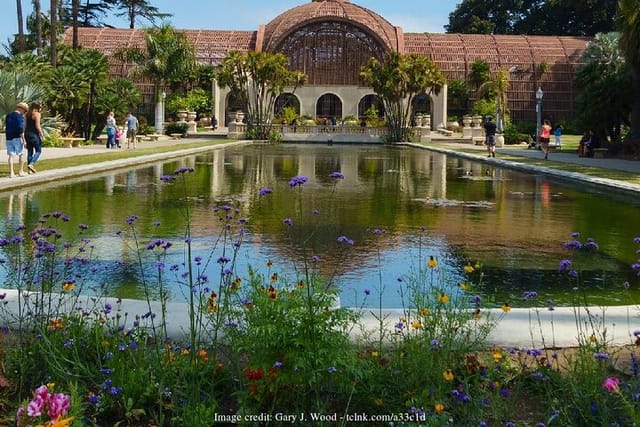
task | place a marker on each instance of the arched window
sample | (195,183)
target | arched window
(286,99)
(368,101)
(421,104)
(329,105)
(330,52)
(234,104)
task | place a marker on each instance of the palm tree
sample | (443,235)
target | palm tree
(21,40)
(629,25)
(53,19)
(497,87)
(134,9)
(94,68)
(37,10)
(16,87)
(167,56)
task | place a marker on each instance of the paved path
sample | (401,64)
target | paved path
(522,328)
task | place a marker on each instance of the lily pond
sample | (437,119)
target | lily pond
(398,206)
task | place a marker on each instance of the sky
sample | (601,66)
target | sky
(412,15)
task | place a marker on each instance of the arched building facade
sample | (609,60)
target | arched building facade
(329,40)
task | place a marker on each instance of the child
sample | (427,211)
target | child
(118,136)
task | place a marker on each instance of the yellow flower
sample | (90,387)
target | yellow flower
(497,356)
(593,338)
(68,286)
(439,408)
(505,307)
(443,298)
(432,263)
(424,311)
(469,268)
(403,319)
(477,314)
(374,354)
(448,375)
(477,266)
(59,422)
(212,303)
(185,352)
(301,284)
(464,286)
(416,324)
(378,401)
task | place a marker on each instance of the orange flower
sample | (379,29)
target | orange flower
(274,277)
(505,307)
(497,356)
(416,324)
(212,303)
(202,353)
(59,422)
(448,375)
(439,408)
(424,311)
(432,263)
(443,298)
(68,286)
(269,263)
(55,324)
(273,292)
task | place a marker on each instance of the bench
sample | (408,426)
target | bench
(445,132)
(70,141)
(175,135)
(153,137)
(598,153)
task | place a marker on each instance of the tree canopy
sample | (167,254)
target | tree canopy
(542,17)
(398,79)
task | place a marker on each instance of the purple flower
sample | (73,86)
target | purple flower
(332,369)
(131,219)
(564,265)
(288,221)
(264,191)
(277,364)
(106,371)
(367,292)
(298,181)
(601,355)
(345,239)
(337,175)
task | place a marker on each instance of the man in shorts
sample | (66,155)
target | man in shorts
(132,130)
(14,130)
(490,136)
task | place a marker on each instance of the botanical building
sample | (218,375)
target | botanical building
(330,40)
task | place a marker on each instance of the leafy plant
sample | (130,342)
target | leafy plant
(174,127)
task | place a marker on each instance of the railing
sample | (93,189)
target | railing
(239,130)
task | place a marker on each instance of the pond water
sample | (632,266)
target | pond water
(398,205)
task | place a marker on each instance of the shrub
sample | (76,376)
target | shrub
(175,127)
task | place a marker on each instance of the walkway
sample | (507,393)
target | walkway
(562,327)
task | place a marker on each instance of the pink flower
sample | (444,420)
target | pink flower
(43,392)
(611,384)
(58,405)
(34,408)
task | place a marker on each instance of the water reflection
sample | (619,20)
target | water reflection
(425,203)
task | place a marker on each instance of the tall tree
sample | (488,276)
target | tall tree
(166,56)
(37,11)
(53,26)
(134,9)
(257,78)
(629,25)
(74,22)
(398,79)
(21,40)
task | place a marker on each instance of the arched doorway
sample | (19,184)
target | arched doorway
(328,105)
(234,104)
(370,102)
(286,100)
(421,105)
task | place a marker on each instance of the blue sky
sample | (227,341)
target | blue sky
(411,15)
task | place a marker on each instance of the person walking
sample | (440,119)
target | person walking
(14,131)
(490,136)
(557,133)
(33,135)
(111,130)
(132,129)
(545,136)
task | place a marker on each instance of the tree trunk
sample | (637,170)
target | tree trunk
(53,16)
(74,22)
(21,42)
(37,7)
(634,117)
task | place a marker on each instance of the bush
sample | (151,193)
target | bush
(175,127)
(512,136)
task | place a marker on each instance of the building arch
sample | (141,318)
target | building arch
(367,102)
(286,99)
(329,105)
(422,104)
(233,104)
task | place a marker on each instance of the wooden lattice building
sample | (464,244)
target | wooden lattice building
(330,40)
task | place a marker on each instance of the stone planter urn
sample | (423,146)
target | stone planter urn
(191,115)
(239,116)
(419,119)
(466,121)
(426,121)
(182,116)
(476,121)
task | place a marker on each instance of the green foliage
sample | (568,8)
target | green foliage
(398,79)
(289,114)
(256,79)
(197,100)
(175,127)
(484,108)
(480,73)
(513,136)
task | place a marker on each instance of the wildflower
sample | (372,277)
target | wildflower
(443,298)
(367,292)
(564,265)
(416,324)
(288,221)
(332,369)
(505,307)
(264,191)
(277,364)
(273,293)
(601,356)
(448,375)
(202,353)
(464,286)
(68,286)
(345,239)
(497,356)
(337,175)
(439,408)
(298,181)
(469,269)
(424,311)
(432,263)
(611,384)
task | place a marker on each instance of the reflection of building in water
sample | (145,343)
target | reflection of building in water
(109,183)
(15,206)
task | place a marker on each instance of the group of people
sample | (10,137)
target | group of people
(115,133)
(24,133)
(544,137)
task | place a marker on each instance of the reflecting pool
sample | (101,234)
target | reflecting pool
(398,206)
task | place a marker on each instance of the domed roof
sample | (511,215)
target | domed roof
(324,10)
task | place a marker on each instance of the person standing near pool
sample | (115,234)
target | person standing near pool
(545,136)
(33,135)
(490,136)
(132,129)
(14,131)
